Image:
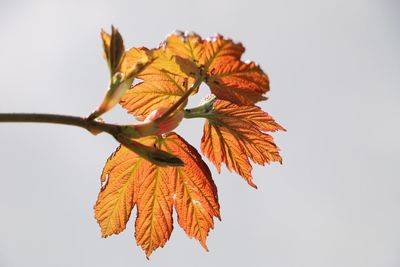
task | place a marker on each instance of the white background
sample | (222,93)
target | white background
(334,68)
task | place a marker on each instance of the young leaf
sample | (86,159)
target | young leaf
(164,83)
(228,77)
(219,61)
(154,197)
(234,134)
(124,67)
(113,49)
(188,50)
(115,201)
(128,180)
(196,200)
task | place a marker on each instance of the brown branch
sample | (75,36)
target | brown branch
(156,156)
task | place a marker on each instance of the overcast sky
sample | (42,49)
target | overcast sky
(334,68)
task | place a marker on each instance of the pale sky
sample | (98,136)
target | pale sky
(334,68)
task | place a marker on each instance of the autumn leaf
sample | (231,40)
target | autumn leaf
(129,180)
(234,135)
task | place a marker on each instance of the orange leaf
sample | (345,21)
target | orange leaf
(219,60)
(160,90)
(115,201)
(228,77)
(135,60)
(234,134)
(155,190)
(195,193)
(184,56)
(163,84)
(188,50)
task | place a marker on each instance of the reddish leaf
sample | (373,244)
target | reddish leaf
(228,77)
(219,60)
(234,134)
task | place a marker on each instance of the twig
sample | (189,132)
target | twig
(95,127)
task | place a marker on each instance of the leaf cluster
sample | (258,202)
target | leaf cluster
(235,133)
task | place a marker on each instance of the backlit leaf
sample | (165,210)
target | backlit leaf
(234,134)
(163,84)
(154,193)
(195,192)
(115,201)
(228,77)
(129,180)
(219,60)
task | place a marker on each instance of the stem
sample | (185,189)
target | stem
(90,125)
(156,156)
(187,114)
(180,101)
(202,111)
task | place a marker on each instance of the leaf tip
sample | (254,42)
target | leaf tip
(204,245)
(252,184)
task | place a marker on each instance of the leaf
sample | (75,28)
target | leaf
(184,56)
(187,48)
(135,61)
(124,66)
(234,134)
(163,84)
(115,201)
(113,48)
(196,199)
(130,180)
(219,60)
(154,193)
(228,77)
(160,90)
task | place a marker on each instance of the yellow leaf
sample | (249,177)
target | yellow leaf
(159,90)
(167,78)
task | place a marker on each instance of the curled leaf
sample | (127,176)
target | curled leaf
(113,49)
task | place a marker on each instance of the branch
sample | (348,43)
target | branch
(90,125)
(156,156)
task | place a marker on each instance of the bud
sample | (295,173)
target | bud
(153,126)
(169,123)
